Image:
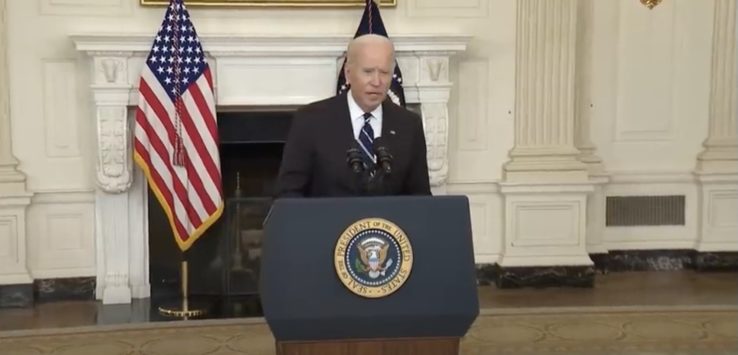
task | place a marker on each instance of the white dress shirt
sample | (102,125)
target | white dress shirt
(357,117)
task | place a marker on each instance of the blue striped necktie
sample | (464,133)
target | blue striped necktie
(366,140)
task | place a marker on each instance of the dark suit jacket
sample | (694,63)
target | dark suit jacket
(314,159)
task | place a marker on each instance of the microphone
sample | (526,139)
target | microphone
(384,157)
(354,160)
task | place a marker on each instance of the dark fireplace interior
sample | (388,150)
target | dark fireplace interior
(224,262)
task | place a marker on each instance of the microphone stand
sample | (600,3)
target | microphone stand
(383,166)
(370,180)
(355,161)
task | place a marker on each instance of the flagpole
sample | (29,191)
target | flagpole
(185,309)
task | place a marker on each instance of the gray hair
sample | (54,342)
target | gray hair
(371,38)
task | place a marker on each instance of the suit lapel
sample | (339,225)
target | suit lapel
(389,123)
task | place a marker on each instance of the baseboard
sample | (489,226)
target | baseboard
(64,289)
(16,296)
(716,261)
(47,290)
(486,274)
(649,260)
(545,276)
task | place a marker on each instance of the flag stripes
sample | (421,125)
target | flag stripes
(176,104)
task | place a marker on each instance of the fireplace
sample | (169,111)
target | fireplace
(249,72)
(224,263)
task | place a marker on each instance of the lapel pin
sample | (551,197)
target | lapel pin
(392,132)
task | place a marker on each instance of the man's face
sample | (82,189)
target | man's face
(370,74)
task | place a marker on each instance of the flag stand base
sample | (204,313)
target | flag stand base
(184,310)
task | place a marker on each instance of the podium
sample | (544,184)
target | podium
(369,275)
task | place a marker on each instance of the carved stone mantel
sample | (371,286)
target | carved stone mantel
(260,71)
(117,61)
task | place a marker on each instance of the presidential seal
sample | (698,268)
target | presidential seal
(373,258)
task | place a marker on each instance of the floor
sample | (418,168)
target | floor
(615,290)
(673,331)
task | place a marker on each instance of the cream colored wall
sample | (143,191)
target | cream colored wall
(650,104)
(649,79)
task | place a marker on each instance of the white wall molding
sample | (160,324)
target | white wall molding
(545,227)
(596,216)
(86,7)
(13,250)
(61,240)
(41,198)
(654,237)
(444,9)
(719,225)
(647,177)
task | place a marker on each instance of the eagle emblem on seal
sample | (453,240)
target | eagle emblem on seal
(372,258)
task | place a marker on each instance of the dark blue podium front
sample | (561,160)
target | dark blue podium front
(304,299)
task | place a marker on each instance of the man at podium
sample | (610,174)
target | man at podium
(358,143)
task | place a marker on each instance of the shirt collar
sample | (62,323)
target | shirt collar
(356,112)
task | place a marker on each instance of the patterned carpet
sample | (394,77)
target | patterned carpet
(631,330)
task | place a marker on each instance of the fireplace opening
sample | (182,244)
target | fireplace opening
(224,263)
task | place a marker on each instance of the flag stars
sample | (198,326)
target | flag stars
(176,57)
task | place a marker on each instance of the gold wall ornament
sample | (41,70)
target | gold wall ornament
(650,3)
(271,3)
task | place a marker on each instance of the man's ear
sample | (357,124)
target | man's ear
(346,72)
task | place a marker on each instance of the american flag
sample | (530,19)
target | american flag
(371,22)
(176,132)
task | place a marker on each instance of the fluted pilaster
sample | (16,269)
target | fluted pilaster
(545,93)
(721,146)
(717,165)
(13,196)
(583,115)
(11,180)
(546,186)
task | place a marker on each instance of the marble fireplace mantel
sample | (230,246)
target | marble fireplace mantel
(248,70)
